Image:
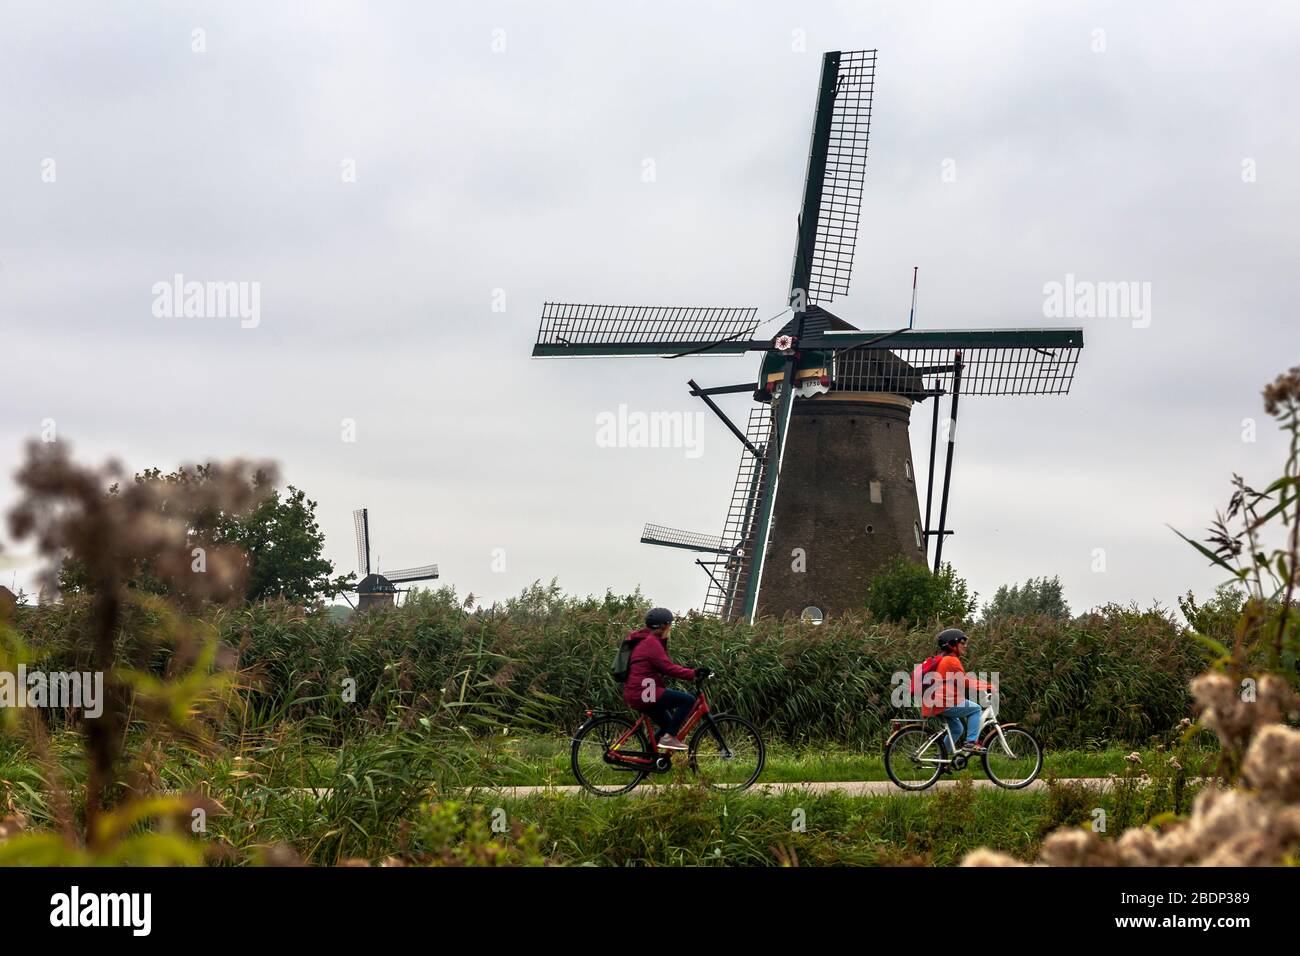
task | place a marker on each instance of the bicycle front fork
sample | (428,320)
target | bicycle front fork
(717,735)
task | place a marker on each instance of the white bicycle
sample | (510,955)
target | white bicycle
(918,752)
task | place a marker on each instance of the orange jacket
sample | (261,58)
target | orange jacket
(942,689)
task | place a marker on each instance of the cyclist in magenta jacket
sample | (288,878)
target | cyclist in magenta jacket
(645,689)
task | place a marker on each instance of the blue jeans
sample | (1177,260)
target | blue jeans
(671,709)
(963,714)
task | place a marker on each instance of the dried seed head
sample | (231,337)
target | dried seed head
(1283,393)
(1272,764)
(1234,720)
(982,857)
(1075,847)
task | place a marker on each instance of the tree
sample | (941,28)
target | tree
(279,537)
(1216,618)
(284,543)
(908,593)
(1036,596)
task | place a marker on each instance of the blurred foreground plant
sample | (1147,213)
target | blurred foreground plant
(1252,818)
(65,510)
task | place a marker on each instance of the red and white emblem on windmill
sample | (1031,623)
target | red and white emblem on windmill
(784,344)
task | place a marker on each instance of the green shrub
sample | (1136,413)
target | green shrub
(1117,674)
(905,592)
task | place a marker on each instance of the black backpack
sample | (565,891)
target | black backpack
(623,659)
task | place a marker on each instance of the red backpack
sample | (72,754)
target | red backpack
(920,670)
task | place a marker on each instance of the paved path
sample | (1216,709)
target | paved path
(850,788)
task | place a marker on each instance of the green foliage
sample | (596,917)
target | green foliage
(1216,618)
(1036,596)
(133,829)
(279,537)
(453,834)
(284,544)
(1160,786)
(686,826)
(1070,803)
(906,592)
(536,664)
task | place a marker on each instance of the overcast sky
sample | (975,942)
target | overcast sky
(386,172)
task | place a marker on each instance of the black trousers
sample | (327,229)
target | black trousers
(671,709)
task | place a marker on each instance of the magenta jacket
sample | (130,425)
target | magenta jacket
(650,660)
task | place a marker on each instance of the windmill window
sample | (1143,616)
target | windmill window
(873,488)
(812,615)
(920,539)
(907,470)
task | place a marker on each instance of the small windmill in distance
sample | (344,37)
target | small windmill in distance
(375,589)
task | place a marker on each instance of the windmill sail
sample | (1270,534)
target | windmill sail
(687,540)
(996,361)
(741,529)
(361,522)
(837,169)
(570,330)
(427,572)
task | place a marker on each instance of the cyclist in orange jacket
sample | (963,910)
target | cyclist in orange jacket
(946,696)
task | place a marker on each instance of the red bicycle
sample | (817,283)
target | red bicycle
(612,753)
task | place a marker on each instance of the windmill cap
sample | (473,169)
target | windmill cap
(950,636)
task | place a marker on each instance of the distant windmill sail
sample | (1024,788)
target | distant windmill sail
(361,521)
(426,572)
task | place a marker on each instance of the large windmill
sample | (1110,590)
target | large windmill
(826,491)
(374,588)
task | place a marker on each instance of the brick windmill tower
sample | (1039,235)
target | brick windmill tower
(826,491)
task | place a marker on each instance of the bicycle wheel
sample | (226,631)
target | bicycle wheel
(911,757)
(1014,764)
(729,754)
(590,745)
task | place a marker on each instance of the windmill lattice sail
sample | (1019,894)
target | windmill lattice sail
(361,522)
(836,172)
(568,329)
(726,592)
(843,165)
(425,572)
(687,540)
(920,364)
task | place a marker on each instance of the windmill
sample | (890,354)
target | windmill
(826,491)
(374,588)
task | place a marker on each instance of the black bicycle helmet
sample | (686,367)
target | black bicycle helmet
(658,617)
(949,637)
